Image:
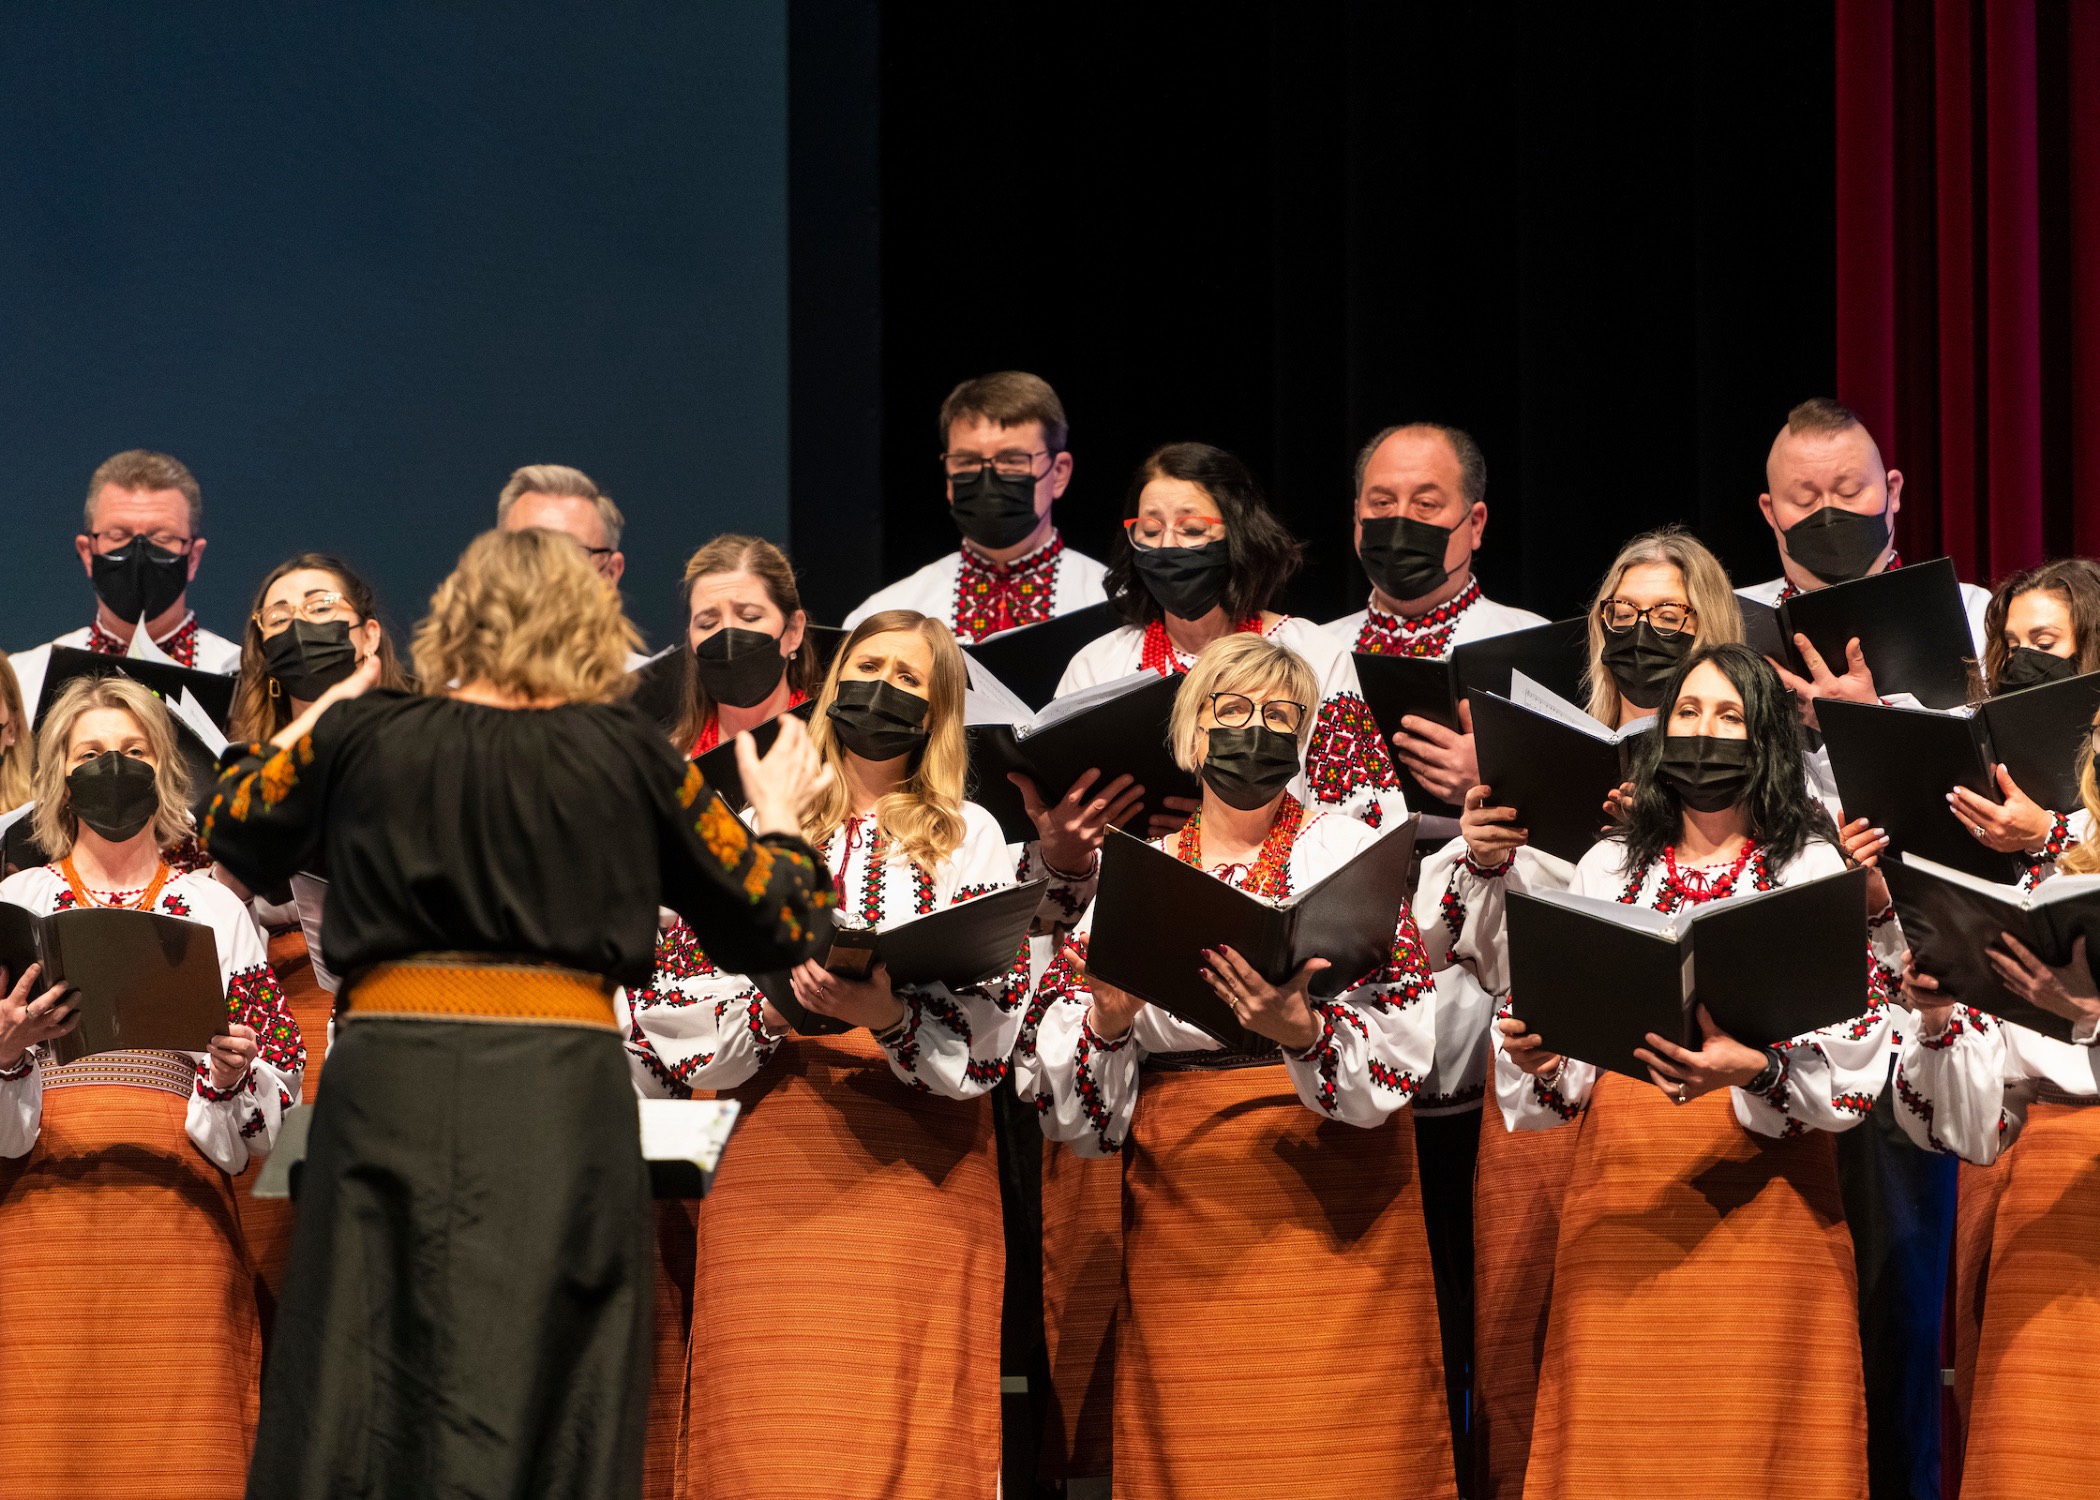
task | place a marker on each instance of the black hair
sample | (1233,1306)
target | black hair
(1264,555)
(1785,817)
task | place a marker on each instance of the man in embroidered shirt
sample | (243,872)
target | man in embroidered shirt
(140,542)
(1420,513)
(1005,461)
(1832,503)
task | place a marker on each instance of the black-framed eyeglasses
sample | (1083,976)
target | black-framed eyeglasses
(1237,711)
(116,539)
(1668,618)
(1012,463)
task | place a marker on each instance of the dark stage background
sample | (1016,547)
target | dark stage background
(1602,241)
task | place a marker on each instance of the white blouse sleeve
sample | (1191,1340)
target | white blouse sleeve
(1966,1092)
(1462,906)
(227,1125)
(21,1105)
(1375,1043)
(960,1042)
(695,1026)
(1347,766)
(1529,1103)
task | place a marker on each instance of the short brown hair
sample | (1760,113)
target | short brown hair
(525,611)
(1472,463)
(1007,399)
(143,469)
(1819,416)
(562,481)
(734,552)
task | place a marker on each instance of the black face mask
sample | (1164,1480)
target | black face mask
(307,658)
(878,720)
(2026,667)
(993,510)
(1404,558)
(739,667)
(1708,774)
(139,581)
(115,794)
(1247,767)
(1188,582)
(1838,545)
(1640,661)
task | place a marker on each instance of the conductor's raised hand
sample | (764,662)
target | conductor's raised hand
(1721,1062)
(781,784)
(232,1055)
(866,1002)
(1521,1045)
(1491,833)
(361,680)
(1280,1012)
(1179,810)
(2068,992)
(27,1018)
(1072,828)
(2015,826)
(1442,760)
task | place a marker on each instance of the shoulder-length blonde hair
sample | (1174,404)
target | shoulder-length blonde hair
(1242,662)
(2084,859)
(56,827)
(257,712)
(1717,617)
(925,815)
(735,553)
(525,611)
(17,761)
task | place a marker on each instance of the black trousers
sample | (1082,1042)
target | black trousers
(1446,1149)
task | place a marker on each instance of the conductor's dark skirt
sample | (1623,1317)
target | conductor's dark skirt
(467,1312)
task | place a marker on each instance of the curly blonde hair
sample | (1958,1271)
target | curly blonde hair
(925,815)
(525,611)
(1246,663)
(56,827)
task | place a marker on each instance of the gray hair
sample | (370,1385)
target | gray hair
(565,482)
(1472,463)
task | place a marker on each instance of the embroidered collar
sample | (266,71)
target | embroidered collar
(1680,887)
(1160,654)
(710,736)
(1426,634)
(140,900)
(1270,874)
(994,596)
(1788,591)
(180,643)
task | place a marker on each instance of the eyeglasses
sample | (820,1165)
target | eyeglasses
(116,539)
(1182,531)
(318,605)
(1012,463)
(1619,616)
(1236,711)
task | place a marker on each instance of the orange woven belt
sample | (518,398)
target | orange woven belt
(440,991)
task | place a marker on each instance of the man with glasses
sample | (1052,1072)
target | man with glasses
(1004,464)
(140,542)
(555,497)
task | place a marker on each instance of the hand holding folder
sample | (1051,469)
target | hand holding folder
(140,981)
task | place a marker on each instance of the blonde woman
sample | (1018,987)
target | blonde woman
(496,854)
(1664,594)
(145,1381)
(1277,1329)
(744,625)
(2027,1106)
(851,1250)
(17,743)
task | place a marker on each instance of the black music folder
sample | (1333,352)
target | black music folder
(1031,659)
(1117,728)
(1554,764)
(1593,977)
(1911,624)
(212,690)
(718,766)
(142,981)
(1154,916)
(1950,918)
(957,946)
(1895,765)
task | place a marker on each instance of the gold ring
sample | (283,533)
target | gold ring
(1681,1099)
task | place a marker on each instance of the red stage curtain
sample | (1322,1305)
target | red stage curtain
(1968,268)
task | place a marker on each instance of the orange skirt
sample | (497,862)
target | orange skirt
(267,1222)
(851,1263)
(1704,1338)
(1975,1220)
(2036,1380)
(1082,1283)
(673,1238)
(132,1354)
(1278,1333)
(1517,1190)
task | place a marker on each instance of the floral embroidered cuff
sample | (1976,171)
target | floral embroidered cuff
(1487,872)
(20,1070)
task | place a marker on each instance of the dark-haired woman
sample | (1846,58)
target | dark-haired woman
(1277,1330)
(312,622)
(1704,1334)
(2022,1110)
(1203,557)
